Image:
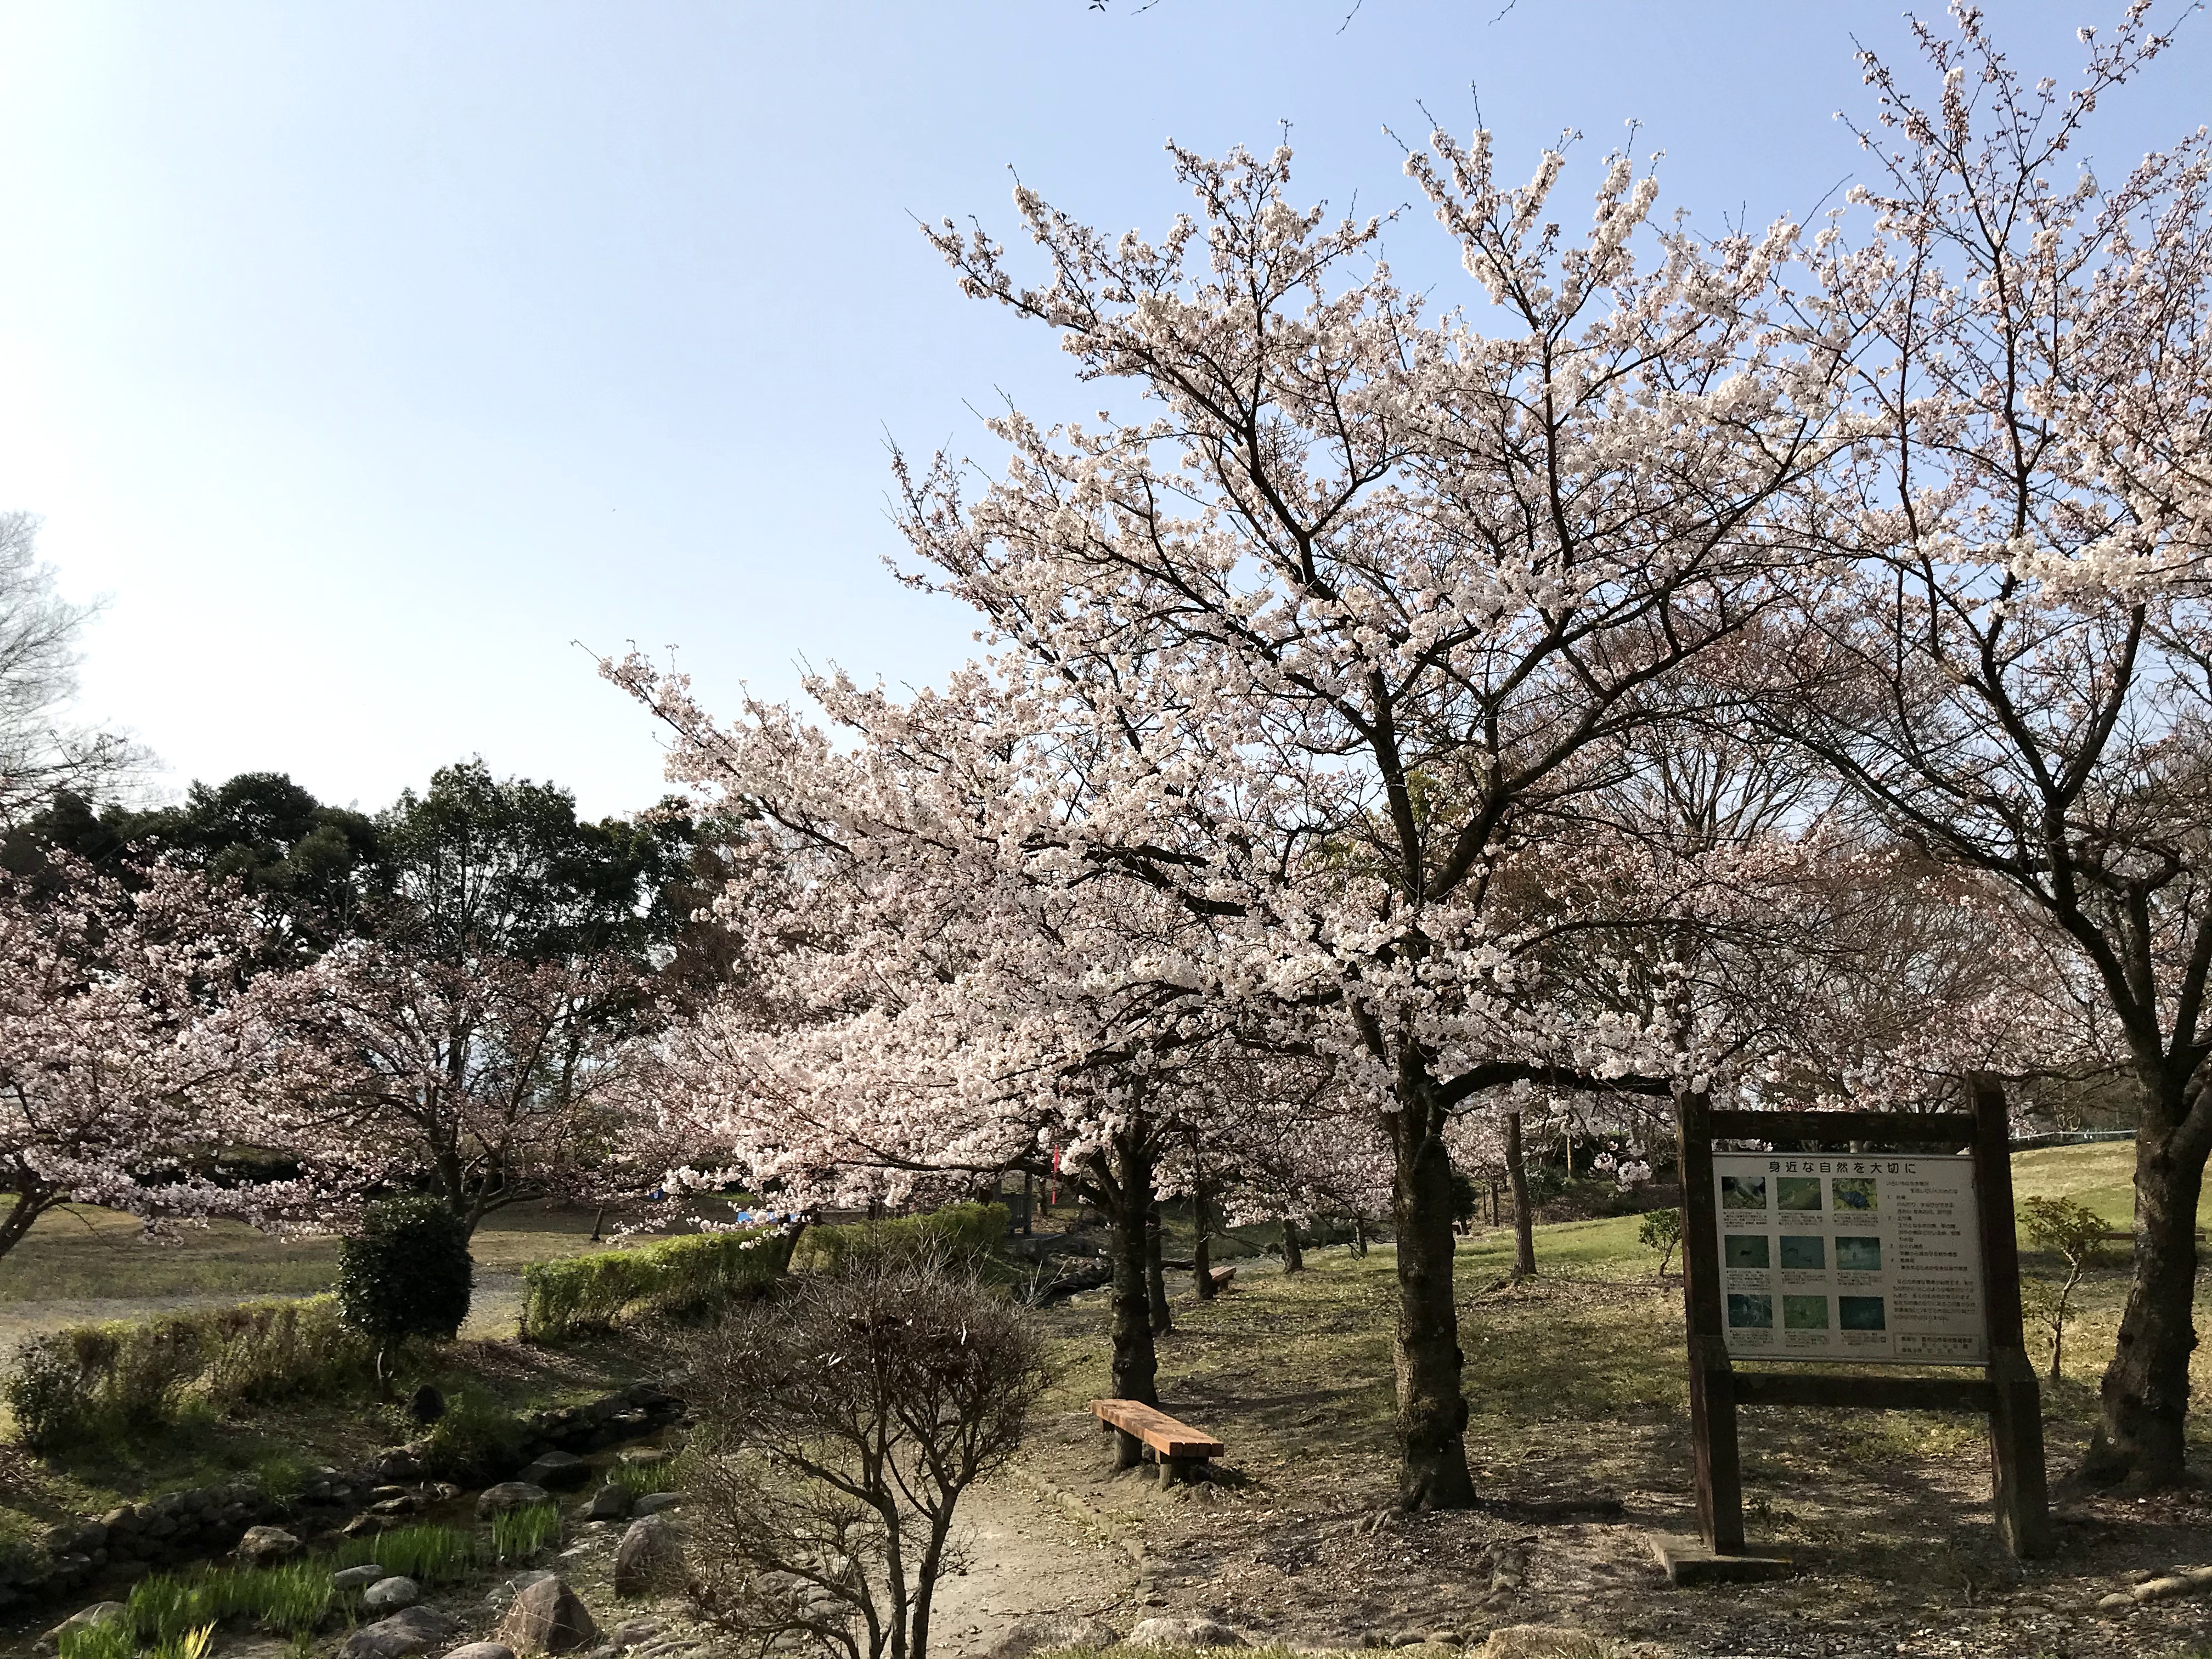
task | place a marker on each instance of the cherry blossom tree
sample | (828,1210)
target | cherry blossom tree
(1396,577)
(137,1058)
(956,993)
(2014,677)
(489,1080)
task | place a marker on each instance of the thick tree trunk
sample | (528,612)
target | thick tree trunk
(2146,1387)
(1201,1252)
(1432,1411)
(1136,1364)
(1294,1256)
(1524,1217)
(1156,1275)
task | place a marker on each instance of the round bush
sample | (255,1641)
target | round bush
(406,1274)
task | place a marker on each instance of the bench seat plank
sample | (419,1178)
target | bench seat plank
(1157,1429)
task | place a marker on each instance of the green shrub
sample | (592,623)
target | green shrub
(106,1638)
(639,1478)
(1660,1230)
(293,1599)
(427,1553)
(281,1476)
(477,1438)
(962,1232)
(520,1534)
(406,1274)
(46,1394)
(130,1376)
(687,1278)
(164,1606)
(194,1643)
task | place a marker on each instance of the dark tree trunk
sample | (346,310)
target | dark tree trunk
(1136,1364)
(2146,1387)
(1294,1256)
(1156,1275)
(1028,1204)
(1201,1251)
(1524,1218)
(1360,1234)
(33,1201)
(1431,1410)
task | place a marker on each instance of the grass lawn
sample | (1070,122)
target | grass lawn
(1575,1381)
(1576,1389)
(81,1253)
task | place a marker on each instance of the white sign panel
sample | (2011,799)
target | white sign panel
(1859,1258)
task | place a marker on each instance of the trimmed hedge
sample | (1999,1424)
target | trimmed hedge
(697,1275)
(136,1375)
(960,1230)
(683,1278)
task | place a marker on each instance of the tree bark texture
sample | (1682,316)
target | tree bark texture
(1294,1256)
(1136,1364)
(1524,1217)
(1156,1275)
(2146,1387)
(1431,1410)
(1201,1252)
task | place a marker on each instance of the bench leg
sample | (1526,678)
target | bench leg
(1128,1450)
(1173,1469)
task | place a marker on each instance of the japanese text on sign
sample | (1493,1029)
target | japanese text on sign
(1858,1258)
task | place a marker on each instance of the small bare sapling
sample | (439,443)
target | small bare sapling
(840,1425)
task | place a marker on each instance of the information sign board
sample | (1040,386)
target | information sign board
(1862,1258)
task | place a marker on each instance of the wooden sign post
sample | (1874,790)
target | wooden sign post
(1868,1259)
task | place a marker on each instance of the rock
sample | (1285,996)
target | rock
(426,1405)
(97,1613)
(2119,1602)
(390,1594)
(509,1495)
(1040,1633)
(265,1546)
(397,1463)
(2160,1589)
(482,1650)
(351,1580)
(548,1617)
(650,1553)
(1183,1633)
(653,1502)
(610,1503)
(415,1630)
(643,1456)
(557,1471)
(634,1632)
(1540,1641)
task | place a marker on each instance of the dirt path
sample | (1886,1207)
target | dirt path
(1025,1556)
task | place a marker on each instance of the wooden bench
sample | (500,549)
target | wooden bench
(1176,1446)
(1223,1278)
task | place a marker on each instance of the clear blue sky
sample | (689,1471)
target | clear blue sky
(367,354)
